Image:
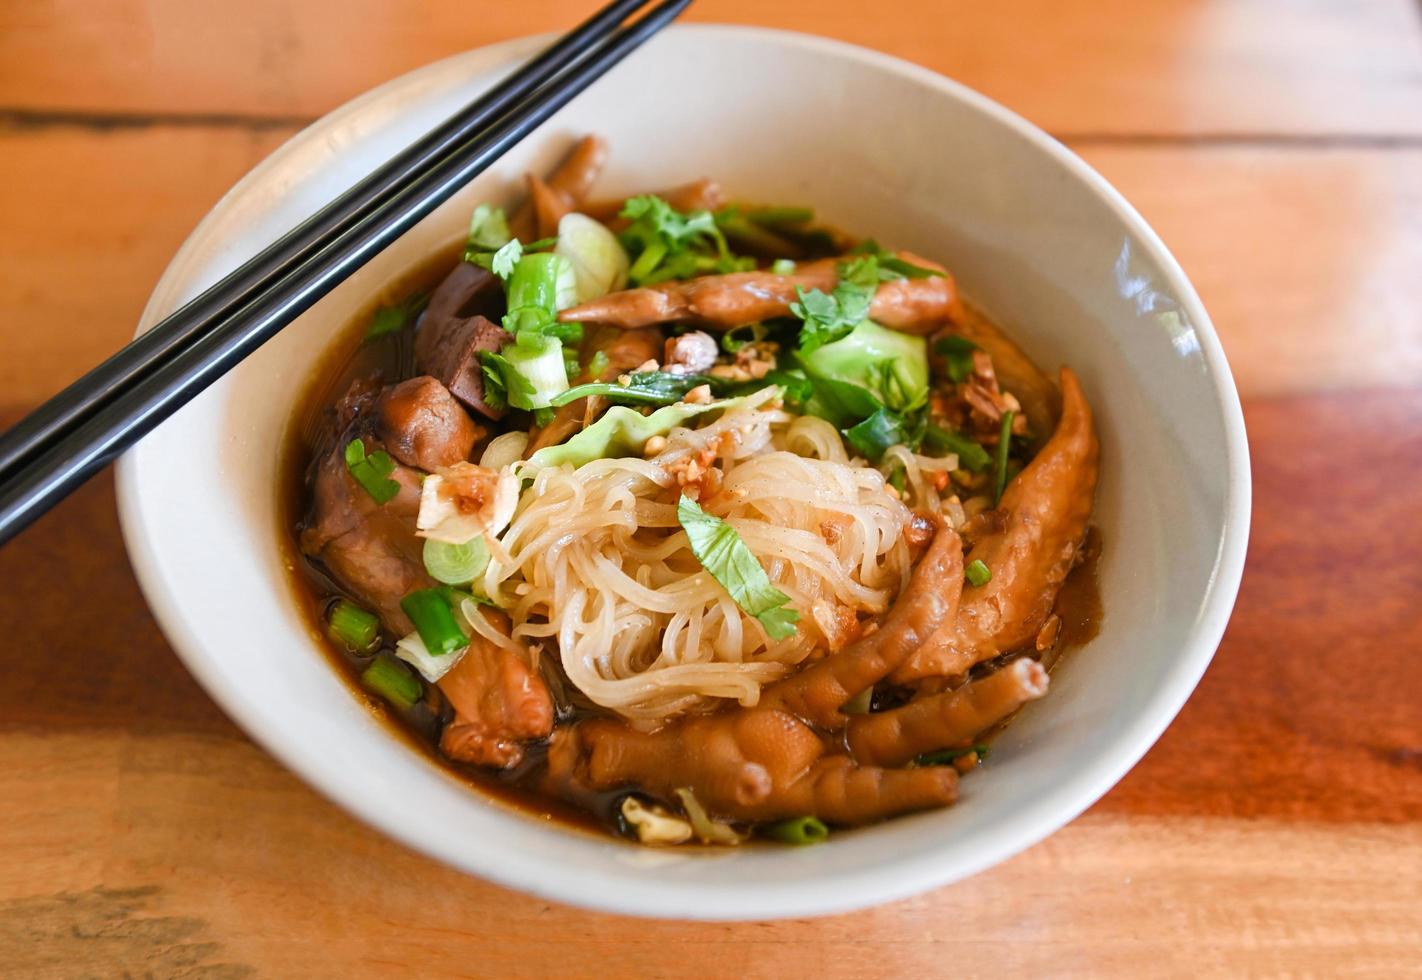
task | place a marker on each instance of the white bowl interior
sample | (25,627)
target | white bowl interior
(879,147)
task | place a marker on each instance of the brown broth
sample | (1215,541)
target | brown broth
(308,438)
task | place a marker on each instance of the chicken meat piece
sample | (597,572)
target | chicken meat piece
(499,702)
(567,185)
(1029,548)
(736,299)
(772,761)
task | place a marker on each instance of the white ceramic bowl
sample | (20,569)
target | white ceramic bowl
(878,146)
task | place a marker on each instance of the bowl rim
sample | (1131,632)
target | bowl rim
(637,894)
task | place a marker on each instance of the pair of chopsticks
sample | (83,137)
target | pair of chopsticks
(67,439)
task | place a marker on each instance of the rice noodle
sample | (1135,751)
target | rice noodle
(922,494)
(597,560)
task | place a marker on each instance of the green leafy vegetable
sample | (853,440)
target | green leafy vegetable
(958,356)
(434,620)
(1004,443)
(388,678)
(621,431)
(796,387)
(722,553)
(977,572)
(642,388)
(890,366)
(971,456)
(397,316)
(872,437)
(797,830)
(372,472)
(947,757)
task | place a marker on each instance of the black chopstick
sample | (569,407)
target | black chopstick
(41,429)
(42,480)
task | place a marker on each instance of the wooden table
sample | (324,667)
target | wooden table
(1276,827)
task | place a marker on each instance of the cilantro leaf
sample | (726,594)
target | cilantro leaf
(722,553)
(669,244)
(397,316)
(828,317)
(502,262)
(488,230)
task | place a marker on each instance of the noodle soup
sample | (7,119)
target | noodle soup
(689,520)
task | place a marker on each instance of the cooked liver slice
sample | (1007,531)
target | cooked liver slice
(455,327)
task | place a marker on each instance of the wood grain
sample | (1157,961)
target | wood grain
(1167,66)
(1276,240)
(1281,815)
(1276,827)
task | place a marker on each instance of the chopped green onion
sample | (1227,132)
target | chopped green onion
(434,620)
(1004,442)
(971,456)
(783,267)
(456,597)
(977,572)
(372,472)
(536,282)
(456,564)
(797,830)
(353,627)
(947,757)
(542,370)
(388,678)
